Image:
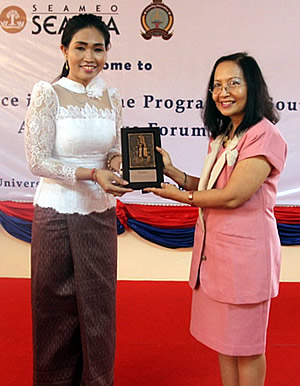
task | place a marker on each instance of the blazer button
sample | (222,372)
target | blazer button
(203,257)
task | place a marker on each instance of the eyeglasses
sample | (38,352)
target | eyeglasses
(232,85)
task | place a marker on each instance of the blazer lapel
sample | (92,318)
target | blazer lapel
(229,152)
(207,166)
(209,162)
(211,169)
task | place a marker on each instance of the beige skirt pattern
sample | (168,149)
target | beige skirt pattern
(74,266)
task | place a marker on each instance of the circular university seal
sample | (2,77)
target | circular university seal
(157,19)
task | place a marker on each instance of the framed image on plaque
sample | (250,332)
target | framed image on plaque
(142,164)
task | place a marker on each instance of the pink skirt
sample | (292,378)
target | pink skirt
(230,329)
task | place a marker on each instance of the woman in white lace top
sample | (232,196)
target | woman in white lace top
(73,143)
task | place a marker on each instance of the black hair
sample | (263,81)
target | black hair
(259,103)
(78,22)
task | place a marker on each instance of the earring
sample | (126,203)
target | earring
(67,65)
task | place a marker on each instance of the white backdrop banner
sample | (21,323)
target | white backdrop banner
(160,60)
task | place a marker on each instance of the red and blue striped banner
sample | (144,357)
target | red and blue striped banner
(169,226)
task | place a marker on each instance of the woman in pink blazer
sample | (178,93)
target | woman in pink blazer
(236,256)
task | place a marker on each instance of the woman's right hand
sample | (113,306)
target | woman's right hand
(111,183)
(168,165)
(177,175)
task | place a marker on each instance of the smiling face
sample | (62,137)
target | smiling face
(86,55)
(230,101)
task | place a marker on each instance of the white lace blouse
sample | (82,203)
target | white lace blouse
(69,126)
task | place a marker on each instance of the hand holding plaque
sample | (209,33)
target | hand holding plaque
(142,164)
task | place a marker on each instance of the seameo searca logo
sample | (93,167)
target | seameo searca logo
(13,19)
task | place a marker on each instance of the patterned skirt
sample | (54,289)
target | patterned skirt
(73,272)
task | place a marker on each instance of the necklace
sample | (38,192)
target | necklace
(225,141)
(226,138)
(77,100)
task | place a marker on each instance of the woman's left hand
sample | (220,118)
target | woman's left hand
(166,191)
(112,183)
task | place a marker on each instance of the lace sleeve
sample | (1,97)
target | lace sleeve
(40,135)
(117,105)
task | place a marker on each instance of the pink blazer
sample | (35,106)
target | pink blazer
(237,258)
